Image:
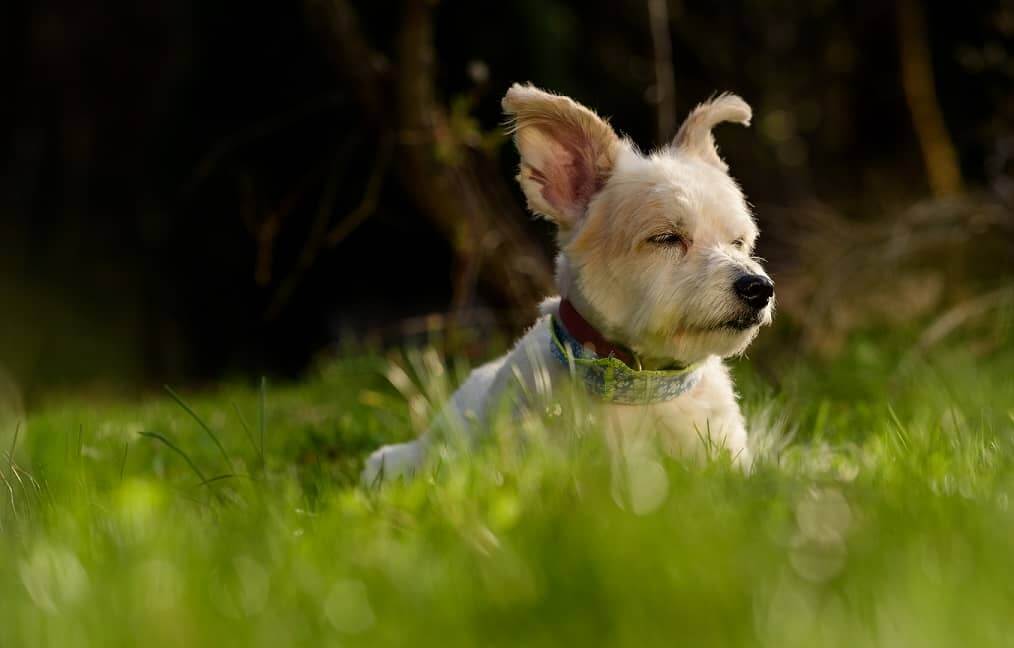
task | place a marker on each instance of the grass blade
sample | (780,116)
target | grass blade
(177,450)
(899,429)
(246,428)
(217,478)
(123,464)
(200,421)
(14,444)
(261,412)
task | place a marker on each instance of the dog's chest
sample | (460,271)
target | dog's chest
(706,415)
(688,425)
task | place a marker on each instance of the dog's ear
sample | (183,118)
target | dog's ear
(567,152)
(695,136)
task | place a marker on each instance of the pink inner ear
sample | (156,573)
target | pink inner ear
(568,176)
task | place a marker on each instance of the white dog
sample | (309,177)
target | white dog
(657,282)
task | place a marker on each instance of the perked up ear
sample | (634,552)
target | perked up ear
(695,136)
(567,152)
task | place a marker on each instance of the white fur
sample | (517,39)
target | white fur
(666,302)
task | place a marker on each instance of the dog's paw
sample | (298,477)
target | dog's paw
(393,461)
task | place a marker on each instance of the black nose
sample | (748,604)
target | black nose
(755,290)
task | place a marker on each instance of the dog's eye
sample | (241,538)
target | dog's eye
(668,239)
(738,244)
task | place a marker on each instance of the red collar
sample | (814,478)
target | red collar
(582,331)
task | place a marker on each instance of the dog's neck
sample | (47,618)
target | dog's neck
(570,291)
(591,336)
(584,332)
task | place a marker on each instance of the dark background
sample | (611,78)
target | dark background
(183,184)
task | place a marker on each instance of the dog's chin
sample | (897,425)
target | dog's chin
(743,322)
(728,338)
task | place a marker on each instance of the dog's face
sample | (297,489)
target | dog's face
(654,250)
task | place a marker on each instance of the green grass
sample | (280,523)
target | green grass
(878,514)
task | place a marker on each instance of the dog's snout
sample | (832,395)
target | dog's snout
(756,290)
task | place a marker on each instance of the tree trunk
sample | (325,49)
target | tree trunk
(456,186)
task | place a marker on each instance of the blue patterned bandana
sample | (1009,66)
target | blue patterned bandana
(610,380)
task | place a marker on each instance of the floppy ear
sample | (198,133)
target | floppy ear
(695,136)
(567,152)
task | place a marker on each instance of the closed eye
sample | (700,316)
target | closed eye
(738,244)
(669,239)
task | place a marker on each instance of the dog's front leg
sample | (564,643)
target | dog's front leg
(398,460)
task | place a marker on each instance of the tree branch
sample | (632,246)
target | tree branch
(920,93)
(454,184)
(364,69)
(447,176)
(665,90)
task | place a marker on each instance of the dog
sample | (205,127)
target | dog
(656,277)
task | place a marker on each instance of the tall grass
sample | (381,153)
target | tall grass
(877,514)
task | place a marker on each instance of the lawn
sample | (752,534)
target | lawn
(878,514)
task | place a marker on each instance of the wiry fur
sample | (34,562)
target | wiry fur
(669,303)
(695,133)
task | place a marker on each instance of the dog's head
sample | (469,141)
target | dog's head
(655,250)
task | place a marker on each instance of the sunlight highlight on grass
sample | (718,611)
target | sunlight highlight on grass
(876,514)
